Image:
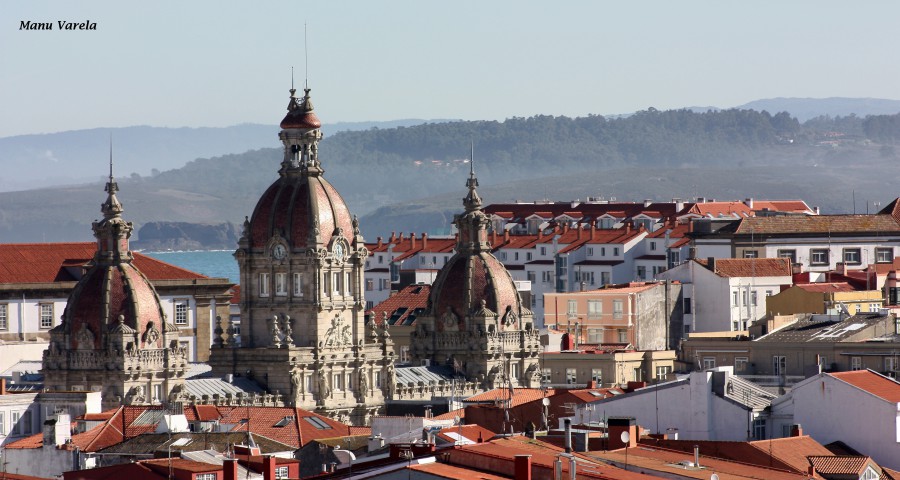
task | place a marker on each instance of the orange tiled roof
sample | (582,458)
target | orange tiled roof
(822,224)
(520,395)
(750,267)
(826,287)
(869,381)
(839,464)
(302,428)
(399,307)
(116,429)
(48,262)
(451,415)
(470,432)
(443,470)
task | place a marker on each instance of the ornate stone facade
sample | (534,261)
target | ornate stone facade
(114,336)
(475,321)
(301,258)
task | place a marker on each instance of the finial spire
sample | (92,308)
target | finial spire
(305,59)
(112,207)
(472,201)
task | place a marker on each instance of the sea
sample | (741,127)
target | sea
(212,263)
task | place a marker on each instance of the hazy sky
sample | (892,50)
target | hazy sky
(219,63)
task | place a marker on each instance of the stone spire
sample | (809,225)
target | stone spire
(472,224)
(113,231)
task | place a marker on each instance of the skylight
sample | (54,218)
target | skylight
(318,423)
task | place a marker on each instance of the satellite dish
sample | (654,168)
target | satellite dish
(456,420)
(545,402)
(625,437)
(714,476)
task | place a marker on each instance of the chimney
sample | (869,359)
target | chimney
(812,471)
(393,237)
(618,425)
(711,264)
(380,242)
(749,203)
(506,236)
(679,204)
(523,467)
(627,227)
(696,456)
(2,386)
(568,424)
(493,237)
(565,228)
(230,469)
(412,240)
(424,240)
(816,210)
(796,430)
(593,228)
(579,232)
(268,467)
(647,202)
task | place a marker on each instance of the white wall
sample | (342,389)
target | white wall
(691,407)
(829,410)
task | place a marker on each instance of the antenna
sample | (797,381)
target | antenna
(292,77)
(305,58)
(110,157)
(472,159)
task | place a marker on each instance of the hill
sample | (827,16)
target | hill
(728,154)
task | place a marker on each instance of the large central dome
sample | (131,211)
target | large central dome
(301,206)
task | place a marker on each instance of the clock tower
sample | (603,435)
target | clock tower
(301,258)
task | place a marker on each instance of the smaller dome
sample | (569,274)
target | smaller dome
(300,114)
(481,278)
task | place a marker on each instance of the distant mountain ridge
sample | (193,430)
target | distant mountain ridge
(804,109)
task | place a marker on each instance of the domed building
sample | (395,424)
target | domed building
(114,337)
(475,321)
(301,259)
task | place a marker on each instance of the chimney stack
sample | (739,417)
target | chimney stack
(424,240)
(230,469)
(568,424)
(711,264)
(269,467)
(393,237)
(796,430)
(696,456)
(412,240)
(523,467)
(380,242)
(618,425)
(2,386)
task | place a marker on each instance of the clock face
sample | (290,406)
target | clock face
(279,252)
(338,251)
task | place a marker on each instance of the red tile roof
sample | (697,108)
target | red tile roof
(411,300)
(443,470)
(520,395)
(48,263)
(840,464)
(869,381)
(451,415)
(750,267)
(822,224)
(469,432)
(116,429)
(826,287)
(298,431)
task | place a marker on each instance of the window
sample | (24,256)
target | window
(503,256)
(207,476)
(157,393)
(404,353)
(642,272)
(744,298)
(263,284)
(662,372)
(337,382)
(623,335)
(590,251)
(545,375)
(617,309)
(884,255)
(791,254)
(572,308)
(14,423)
(818,256)
(856,363)
(380,259)
(734,298)
(652,246)
(514,372)
(4,322)
(571,375)
(870,474)
(547,277)
(181,312)
(597,375)
(46,310)
(602,251)
(607,223)
(759,428)
(528,256)
(281,472)
(336,283)
(852,256)
(890,364)
(688,310)
(779,365)
(604,278)
(281,284)
(595,308)
(516,256)
(348,284)
(740,364)
(385,284)
(531,276)
(543,251)
(615,251)
(3,430)
(595,335)
(874,307)
(709,362)
(377,379)
(298,284)
(753,298)
(674,258)
(751,254)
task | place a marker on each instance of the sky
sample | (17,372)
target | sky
(219,63)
